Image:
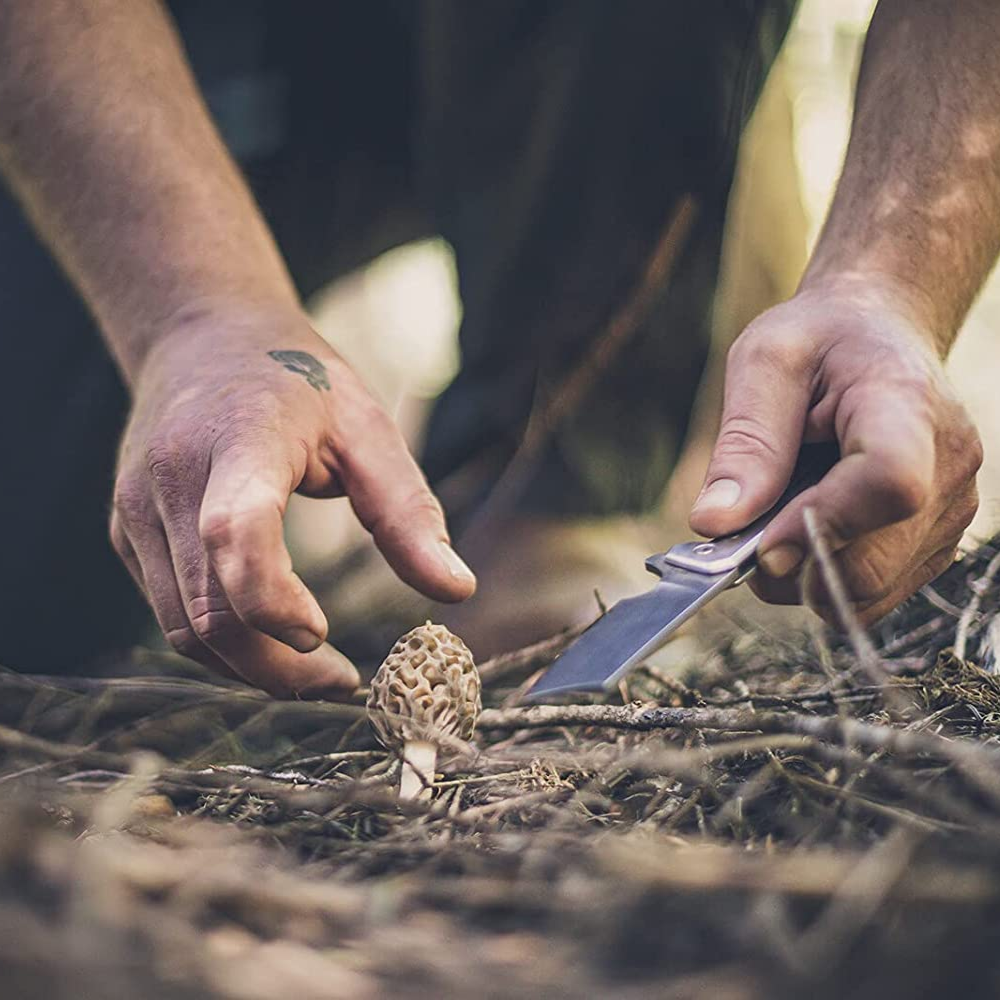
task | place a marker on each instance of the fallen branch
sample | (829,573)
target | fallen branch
(868,657)
(979,762)
(971,610)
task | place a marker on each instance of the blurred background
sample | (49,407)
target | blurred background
(397,319)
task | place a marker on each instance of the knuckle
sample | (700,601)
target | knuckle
(184,640)
(397,522)
(171,467)
(423,503)
(129,495)
(960,445)
(211,626)
(971,453)
(745,437)
(901,491)
(217,529)
(224,527)
(132,508)
(867,575)
(770,346)
(163,458)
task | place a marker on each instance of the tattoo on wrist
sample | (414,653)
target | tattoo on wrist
(304,364)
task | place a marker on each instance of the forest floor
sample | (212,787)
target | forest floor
(789,815)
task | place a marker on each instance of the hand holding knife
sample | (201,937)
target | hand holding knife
(691,574)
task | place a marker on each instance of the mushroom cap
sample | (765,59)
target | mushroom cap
(427,688)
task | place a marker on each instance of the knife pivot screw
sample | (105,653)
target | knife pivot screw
(704,549)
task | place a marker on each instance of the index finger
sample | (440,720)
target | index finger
(884,476)
(241,527)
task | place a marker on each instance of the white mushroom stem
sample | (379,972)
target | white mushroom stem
(419,760)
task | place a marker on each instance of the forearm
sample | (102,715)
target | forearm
(105,139)
(917,209)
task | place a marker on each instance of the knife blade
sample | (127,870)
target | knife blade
(691,574)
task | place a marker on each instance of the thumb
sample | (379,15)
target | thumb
(763,418)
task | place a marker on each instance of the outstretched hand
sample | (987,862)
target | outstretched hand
(846,365)
(233,413)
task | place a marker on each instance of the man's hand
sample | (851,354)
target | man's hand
(845,364)
(233,412)
(913,230)
(237,402)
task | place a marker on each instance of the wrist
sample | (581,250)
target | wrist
(881,291)
(213,324)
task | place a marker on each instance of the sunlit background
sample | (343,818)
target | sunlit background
(396,321)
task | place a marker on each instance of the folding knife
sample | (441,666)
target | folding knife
(691,574)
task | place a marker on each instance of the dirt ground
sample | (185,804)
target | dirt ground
(787,816)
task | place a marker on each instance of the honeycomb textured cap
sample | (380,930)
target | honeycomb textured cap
(427,689)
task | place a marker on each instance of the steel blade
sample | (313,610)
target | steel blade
(632,630)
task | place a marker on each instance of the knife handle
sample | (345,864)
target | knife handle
(731,552)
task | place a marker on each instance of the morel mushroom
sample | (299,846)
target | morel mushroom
(426,691)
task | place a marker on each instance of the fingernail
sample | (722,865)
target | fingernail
(720,495)
(456,567)
(781,560)
(300,639)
